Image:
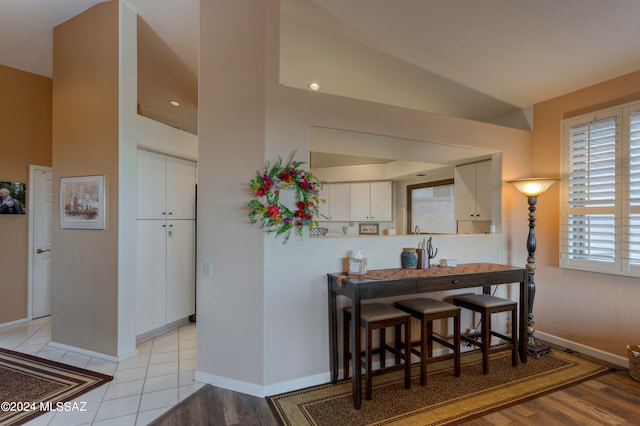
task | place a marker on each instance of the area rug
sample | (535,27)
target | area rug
(445,399)
(31,386)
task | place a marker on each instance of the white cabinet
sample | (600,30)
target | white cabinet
(371,201)
(473,191)
(165,289)
(165,277)
(357,201)
(340,202)
(166,187)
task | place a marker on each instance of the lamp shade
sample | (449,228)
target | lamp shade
(534,186)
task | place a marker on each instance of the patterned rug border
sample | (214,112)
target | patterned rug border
(49,370)
(591,369)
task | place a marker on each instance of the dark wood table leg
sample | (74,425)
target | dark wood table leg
(523,317)
(356,361)
(333,332)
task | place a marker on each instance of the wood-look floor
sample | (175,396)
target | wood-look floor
(611,399)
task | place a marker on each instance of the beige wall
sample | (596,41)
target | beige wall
(596,310)
(25,138)
(85,142)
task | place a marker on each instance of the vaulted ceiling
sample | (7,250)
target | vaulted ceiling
(486,60)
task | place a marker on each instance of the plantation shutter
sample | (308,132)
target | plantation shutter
(632,234)
(590,187)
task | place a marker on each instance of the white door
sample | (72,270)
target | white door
(381,201)
(361,201)
(181,189)
(152,185)
(181,279)
(151,288)
(42,213)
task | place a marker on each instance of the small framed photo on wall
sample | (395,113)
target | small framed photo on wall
(12,197)
(368,229)
(82,202)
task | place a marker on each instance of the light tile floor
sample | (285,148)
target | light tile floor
(143,387)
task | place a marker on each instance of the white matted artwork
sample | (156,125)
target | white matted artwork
(82,202)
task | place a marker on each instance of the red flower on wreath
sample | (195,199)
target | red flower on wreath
(273,211)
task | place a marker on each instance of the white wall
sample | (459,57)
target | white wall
(262,318)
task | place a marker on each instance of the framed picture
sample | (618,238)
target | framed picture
(12,197)
(368,229)
(82,202)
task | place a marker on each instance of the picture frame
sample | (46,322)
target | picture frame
(13,198)
(82,202)
(368,229)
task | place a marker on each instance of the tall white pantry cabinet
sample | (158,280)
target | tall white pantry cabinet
(165,278)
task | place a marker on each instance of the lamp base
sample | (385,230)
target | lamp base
(536,350)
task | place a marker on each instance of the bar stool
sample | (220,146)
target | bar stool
(486,305)
(427,310)
(377,316)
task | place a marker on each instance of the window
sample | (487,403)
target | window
(431,207)
(601,191)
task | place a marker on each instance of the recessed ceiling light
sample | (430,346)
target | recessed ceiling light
(314,86)
(175,103)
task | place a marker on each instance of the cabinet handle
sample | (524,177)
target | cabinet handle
(170,213)
(42,251)
(164,213)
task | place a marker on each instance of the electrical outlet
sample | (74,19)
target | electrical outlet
(206,269)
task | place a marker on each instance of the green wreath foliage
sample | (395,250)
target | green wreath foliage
(266,208)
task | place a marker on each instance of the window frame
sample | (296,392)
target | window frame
(421,185)
(622,211)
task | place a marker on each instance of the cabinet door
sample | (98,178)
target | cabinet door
(340,202)
(381,201)
(150,275)
(181,280)
(181,189)
(465,192)
(361,201)
(484,190)
(152,189)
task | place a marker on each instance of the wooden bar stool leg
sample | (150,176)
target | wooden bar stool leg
(407,354)
(486,341)
(456,344)
(424,332)
(514,340)
(369,356)
(383,343)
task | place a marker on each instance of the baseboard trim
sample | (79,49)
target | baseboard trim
(12,323)
(261,391)
(81,351)
(161,330)
(587,350)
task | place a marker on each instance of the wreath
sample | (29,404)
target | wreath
(266,208)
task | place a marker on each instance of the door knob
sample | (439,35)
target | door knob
(42,251)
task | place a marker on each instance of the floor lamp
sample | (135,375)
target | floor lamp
(532,188)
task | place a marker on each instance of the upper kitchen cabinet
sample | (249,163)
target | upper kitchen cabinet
(371,201)
(473,191)
(339,204)
(168,185)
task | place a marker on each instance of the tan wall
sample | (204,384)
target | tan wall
(85,142)
(596,310)
(25,138)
